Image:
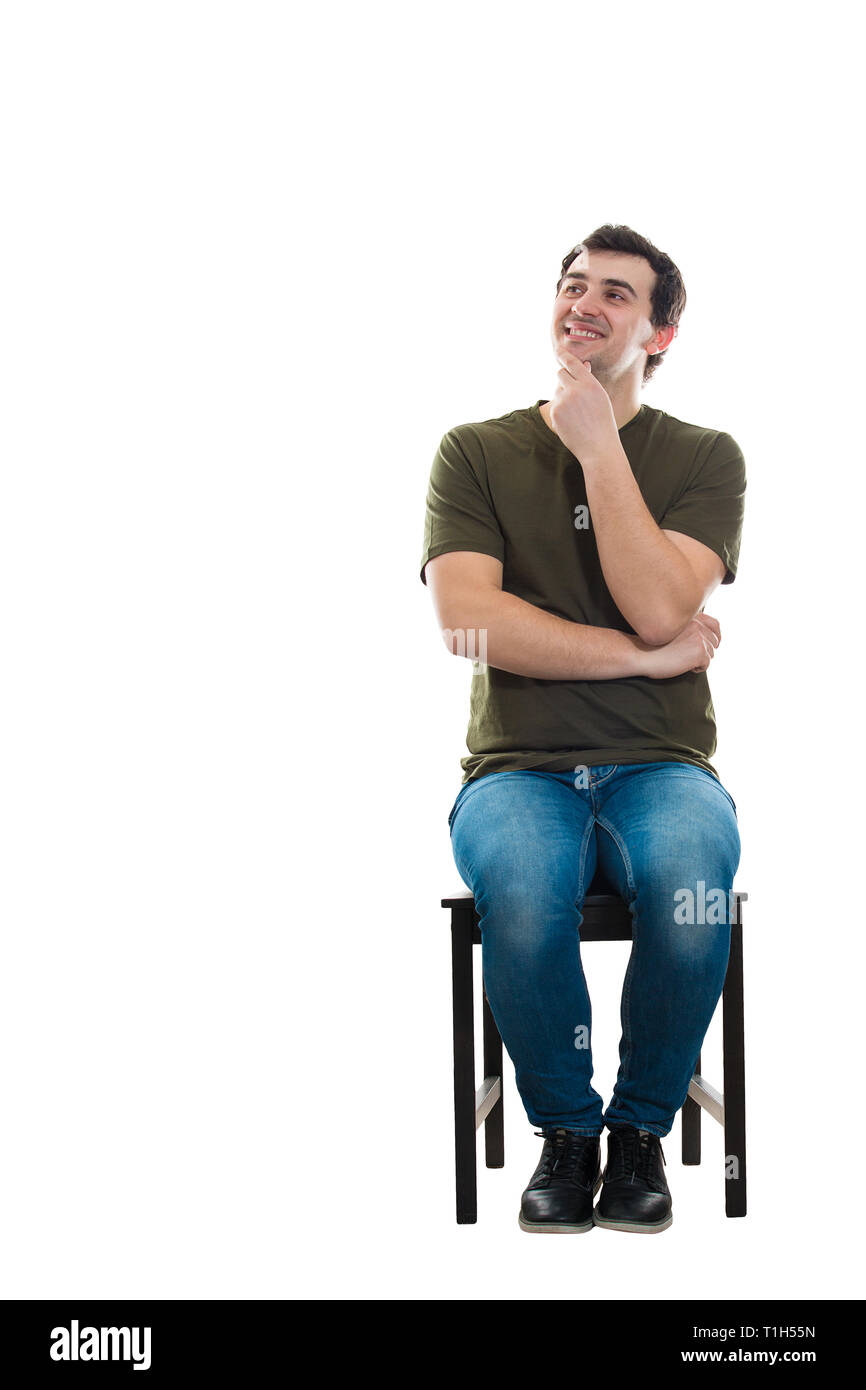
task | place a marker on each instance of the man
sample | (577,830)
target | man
(572,546)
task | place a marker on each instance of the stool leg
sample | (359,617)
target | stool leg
(494,1125)
(464,1065)
(733,1044)
(691,1126)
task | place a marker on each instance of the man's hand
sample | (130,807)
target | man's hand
(693,650)
(581,412)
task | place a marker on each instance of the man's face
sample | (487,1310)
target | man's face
(608,293)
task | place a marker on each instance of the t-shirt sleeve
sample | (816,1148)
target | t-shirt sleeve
(460,513)
(711,507)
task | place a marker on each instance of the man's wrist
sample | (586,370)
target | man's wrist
(638,655)
(627,656)
(604,458)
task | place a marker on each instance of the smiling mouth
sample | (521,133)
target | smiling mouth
(587,334)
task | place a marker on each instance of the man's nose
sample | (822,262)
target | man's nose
(589,309)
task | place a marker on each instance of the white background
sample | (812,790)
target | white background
(255,261)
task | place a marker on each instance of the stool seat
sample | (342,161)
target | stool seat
(605,915)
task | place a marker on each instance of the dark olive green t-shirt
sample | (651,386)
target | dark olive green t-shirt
(510,488)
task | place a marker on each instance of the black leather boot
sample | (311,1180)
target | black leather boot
(635,1195)
(559,1197)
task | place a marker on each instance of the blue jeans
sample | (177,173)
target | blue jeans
(528,844)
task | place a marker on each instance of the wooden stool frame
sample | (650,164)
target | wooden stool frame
(605,918)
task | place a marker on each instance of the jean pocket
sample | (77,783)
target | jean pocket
(466,790)
(728,795)
(457,804)
(686,770)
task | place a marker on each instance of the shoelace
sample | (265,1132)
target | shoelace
(637,1151)
(567,1155)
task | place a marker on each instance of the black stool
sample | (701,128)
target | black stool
(605,918)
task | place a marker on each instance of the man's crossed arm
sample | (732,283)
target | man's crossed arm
(468,598)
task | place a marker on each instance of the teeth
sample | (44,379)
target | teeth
(583,333)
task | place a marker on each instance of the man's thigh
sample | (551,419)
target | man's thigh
(667,828)
(524,831)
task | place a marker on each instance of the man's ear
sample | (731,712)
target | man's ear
(668,333)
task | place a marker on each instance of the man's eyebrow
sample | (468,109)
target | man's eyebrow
(579,275)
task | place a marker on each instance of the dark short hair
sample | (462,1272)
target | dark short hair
(668,299)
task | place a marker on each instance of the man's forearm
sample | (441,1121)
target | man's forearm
(507,632)
(650,581)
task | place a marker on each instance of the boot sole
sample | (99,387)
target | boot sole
(559,1229)
(645,1228)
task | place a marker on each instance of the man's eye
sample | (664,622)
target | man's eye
(572,289)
